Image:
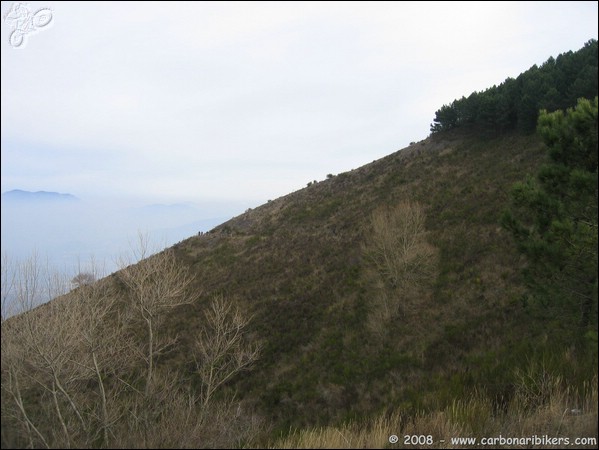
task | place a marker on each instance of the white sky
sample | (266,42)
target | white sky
(249,101)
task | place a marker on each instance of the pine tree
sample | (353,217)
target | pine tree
(554,220)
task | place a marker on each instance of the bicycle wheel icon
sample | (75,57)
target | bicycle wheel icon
(16,38)
(42,18)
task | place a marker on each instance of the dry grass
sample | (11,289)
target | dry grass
(353,435)
(559,411)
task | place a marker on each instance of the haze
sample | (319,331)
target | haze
(227,105)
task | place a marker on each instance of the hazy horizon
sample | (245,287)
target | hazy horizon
(227,105)
(68,233)
(247,101)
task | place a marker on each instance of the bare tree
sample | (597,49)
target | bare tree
(155,285)
(67,376)
(41,342)
(28,284)
(35,343)
(82,279)
(54,347)
(8,286)
(174,414)
(14,408)
(101,334)
(404,261)
(221,348)
(398,246)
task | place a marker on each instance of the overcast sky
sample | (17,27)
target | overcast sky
(249,101)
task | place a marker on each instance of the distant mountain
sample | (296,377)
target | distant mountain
(20,195)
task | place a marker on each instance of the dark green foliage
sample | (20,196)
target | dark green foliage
(554,221)
(446,118)
(515,103)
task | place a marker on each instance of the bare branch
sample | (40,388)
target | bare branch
(220,347)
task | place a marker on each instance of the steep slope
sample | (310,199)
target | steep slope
(297,265)
(338,340)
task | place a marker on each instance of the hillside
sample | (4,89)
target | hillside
(299,267)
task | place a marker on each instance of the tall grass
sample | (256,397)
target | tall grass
(554,410)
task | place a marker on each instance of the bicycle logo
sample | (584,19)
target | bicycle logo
(25,22)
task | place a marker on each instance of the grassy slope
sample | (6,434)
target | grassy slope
(296,264)
(545,413)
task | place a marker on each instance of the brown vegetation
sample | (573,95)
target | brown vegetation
(559,412)
(146,370)
(69,367)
